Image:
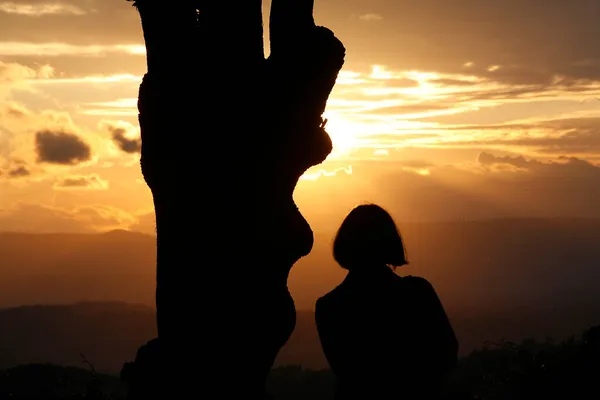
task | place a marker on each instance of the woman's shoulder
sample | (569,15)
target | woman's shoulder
(336,296)
(416,282)
(415,279)
(329,296)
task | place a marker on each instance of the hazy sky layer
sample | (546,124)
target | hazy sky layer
(445,109)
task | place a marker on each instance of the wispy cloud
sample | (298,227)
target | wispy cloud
(38,10)
(384,108)
(81,182)
(371,17)
(119,107)
(28,217)
(52,49)
(14,72)
(387,108)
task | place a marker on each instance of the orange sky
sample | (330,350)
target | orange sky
(444,110)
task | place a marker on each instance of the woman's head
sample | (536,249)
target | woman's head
(368,236)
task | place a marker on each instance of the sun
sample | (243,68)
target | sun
(342,132)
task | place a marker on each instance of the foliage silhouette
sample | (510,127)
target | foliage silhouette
(500,371)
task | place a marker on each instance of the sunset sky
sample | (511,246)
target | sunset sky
(460,109)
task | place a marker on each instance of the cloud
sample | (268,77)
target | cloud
(15,169)
(421,99)
(146,223)
(81,182)
(384,108)
(46,136)
(37,10)
(14,72)
(125,144)
(491,185)
(485,33)
(123,137)
(61,148)
(371,17)
(53,49)
(15,76)
(579,136)
(119,107)
(19,172)
(90,22)
(25,217)
(564,136)
(563,166)
(389,101)
(15,110)
(481,34)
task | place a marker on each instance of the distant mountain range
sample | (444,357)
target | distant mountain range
(109,334)
(68,268)
(475,266)
(511,278)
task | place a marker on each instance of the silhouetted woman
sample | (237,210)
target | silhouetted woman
(385,336)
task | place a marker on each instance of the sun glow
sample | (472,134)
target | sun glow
(313,175)
(343,134)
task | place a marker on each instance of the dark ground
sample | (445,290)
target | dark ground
(530,370)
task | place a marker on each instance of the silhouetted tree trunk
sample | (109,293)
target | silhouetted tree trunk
(226,135)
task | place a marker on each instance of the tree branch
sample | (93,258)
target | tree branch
(290,21)
(163,27)
(233,31)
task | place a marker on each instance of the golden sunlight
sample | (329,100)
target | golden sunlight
(343,134)
(313,175)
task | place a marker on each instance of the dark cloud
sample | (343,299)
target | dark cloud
(126,144)
(563,166)
(453,82)
(73,182)
(19,172)
(81,182)
(15,110)
(61,148)
(528,91)
(492,186)
(411,108)
(398,83)
(15,169)
(580,136)
(101,22)
(534,41)
(560,136)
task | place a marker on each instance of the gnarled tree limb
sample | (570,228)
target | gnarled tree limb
(226,135)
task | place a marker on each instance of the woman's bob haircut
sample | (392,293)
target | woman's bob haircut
(368,237)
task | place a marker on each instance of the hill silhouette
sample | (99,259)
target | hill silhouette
(476,266)
(499,371)
(512,279)
(68,268)
(108,334)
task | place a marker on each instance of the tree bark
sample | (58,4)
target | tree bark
(226,135)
